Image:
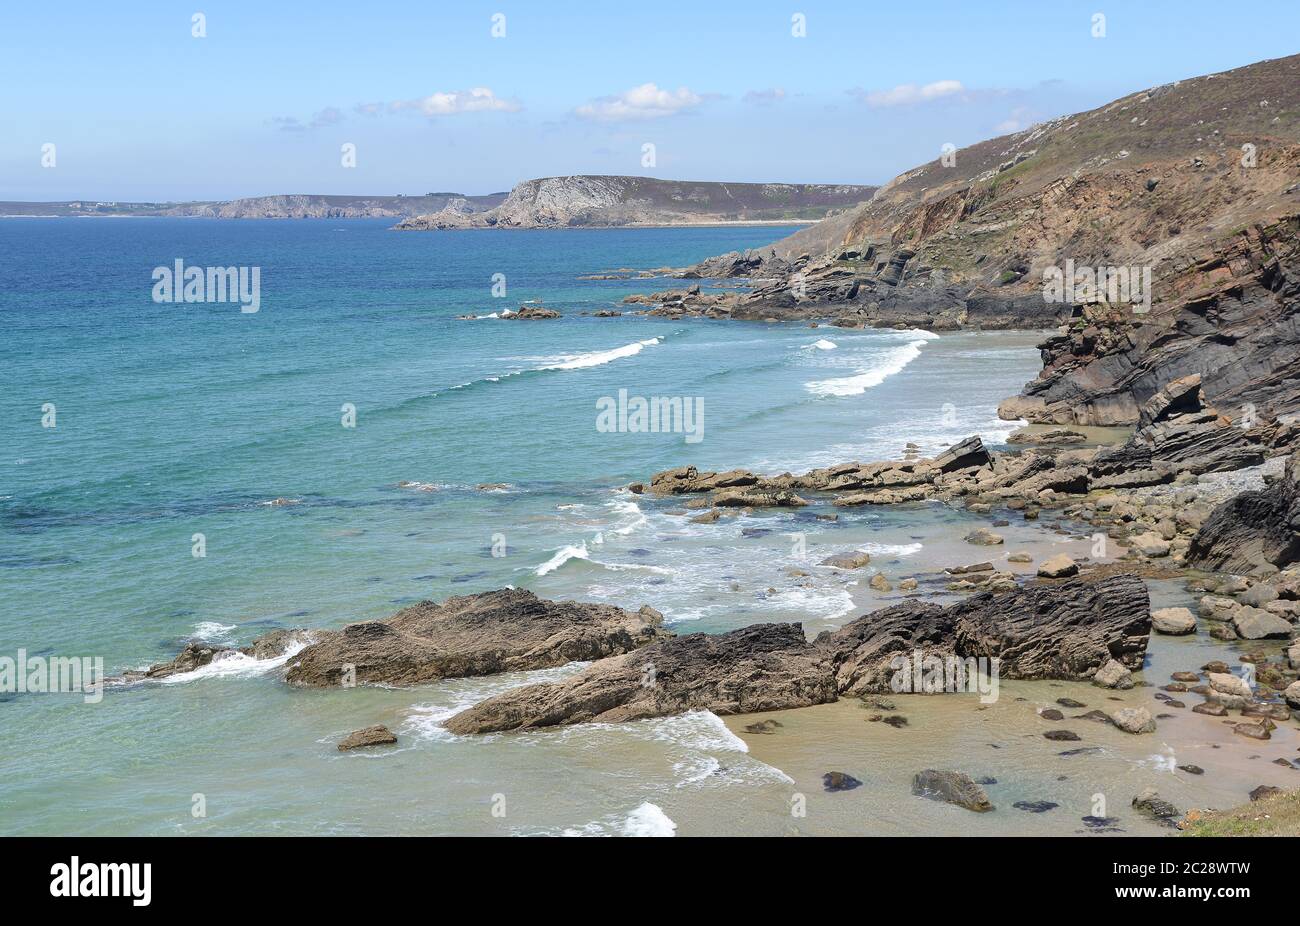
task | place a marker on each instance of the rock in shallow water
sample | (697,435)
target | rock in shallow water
(1173,621)
(378,735)
(839,781)
(954,787)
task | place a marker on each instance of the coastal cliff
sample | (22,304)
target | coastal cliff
(600,201)
(1191,186)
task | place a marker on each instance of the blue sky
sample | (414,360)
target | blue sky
(138,108)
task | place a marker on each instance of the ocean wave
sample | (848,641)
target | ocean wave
(455,695)
(212,631)
(236,665)
(821,344)
(598,358)
(890,362)
(562,556)
(649,820)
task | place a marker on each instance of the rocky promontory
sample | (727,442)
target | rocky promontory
(596,201)
(509,630)
(1066,631)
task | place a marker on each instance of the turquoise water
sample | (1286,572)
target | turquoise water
(182,419)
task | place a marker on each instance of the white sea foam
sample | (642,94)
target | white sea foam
(649,820)
(562,556)
(234,664)
(887,364)
(452,696)
(821,344)
(212,631)
(598,358)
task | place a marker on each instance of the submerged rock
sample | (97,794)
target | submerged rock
(839,781)
(954,787)
(378,735)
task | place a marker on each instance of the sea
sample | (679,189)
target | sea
(188,470)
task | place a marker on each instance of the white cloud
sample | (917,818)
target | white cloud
(644,102)
(770,95)
(907,94)
(474,100)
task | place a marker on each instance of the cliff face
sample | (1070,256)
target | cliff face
(1192,183)
(595,201)
(285,206)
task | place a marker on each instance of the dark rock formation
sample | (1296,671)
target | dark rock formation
(503,631)
(196,655)
(1058,631)
(1252,529)
(763,667)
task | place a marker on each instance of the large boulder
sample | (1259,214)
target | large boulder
(508,630)
(1173,621)
(963,455)
(763,667)
(1258,624)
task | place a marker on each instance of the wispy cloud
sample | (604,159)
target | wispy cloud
(1022,117)
(908,94)
(330,115)
(765,97)
(644,102)
(452,102)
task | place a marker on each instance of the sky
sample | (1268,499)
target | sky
(138,107)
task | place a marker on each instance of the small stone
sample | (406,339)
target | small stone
(1070,702)
(839,781)
(1192,769)
(984,537)
(1051,713)
(1264,791)
(1062,736)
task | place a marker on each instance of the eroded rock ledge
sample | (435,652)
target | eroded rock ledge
(509,630)
(1065,631)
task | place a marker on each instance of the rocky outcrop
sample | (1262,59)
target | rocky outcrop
(378,735)
(197,654)
(1063,631)
(607,201)
(509,630)
(1252,529)
(759,668)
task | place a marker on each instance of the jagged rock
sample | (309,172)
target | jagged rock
(1151,804)
(1113,674)
(1058,567)
(1264,791)
(763,667)
(1151,544)
(951,786)
(754,498)
(1251,529)
(1173,621)
(686,479)
(1292,695)
(880,583)
(378,735)
(196,655)
(963,455)
(907,585)
(1061,631)
(527,312)
(503,631)
(1134,720)
(984,537)
(1210,708)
